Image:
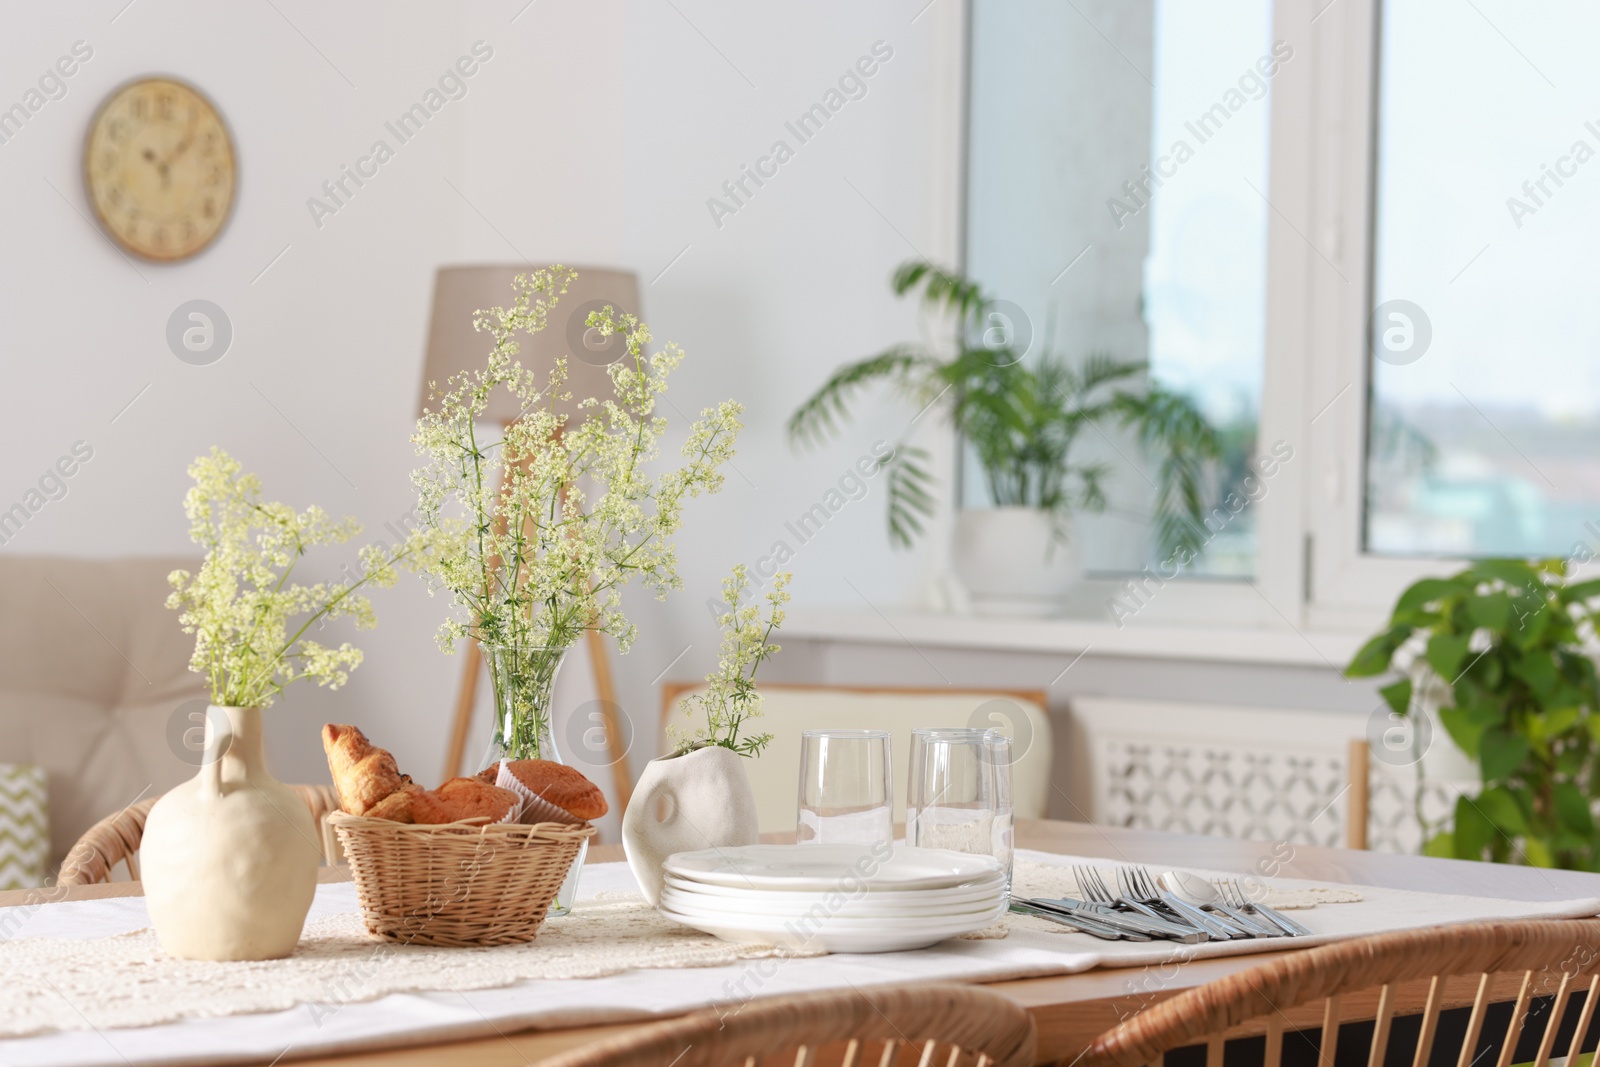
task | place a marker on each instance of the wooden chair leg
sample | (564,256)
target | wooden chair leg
(1380,1028)
(1557,1007)
(1430,1022)
(466,700)
(1360,788)
(1329,1047)
(606,690)
(1518,1015)
(1480,1005)
(1584,1018)
(1274,1054)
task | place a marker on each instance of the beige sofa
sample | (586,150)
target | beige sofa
(93,671)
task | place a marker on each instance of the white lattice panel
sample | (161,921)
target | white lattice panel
(1257,774)
(1225,790)
(1392,824)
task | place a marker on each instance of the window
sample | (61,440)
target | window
(1380,261)
(1117,175)
(1484,418)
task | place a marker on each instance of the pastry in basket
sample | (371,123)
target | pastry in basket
(465,798)
(370,784)
(554,784)
(363,774)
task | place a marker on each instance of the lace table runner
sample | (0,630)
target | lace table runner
(126,980)
(102,985)
(57,984)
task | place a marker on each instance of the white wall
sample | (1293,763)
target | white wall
(595,134)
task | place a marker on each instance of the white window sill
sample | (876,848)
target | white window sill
(1074,636)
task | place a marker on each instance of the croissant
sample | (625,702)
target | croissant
(363,774)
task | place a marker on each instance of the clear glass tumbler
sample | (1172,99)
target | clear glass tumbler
(846,788)
(958,795)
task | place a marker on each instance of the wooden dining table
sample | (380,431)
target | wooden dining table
(1072,1009)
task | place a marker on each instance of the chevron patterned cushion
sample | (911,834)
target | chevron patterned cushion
(24,826)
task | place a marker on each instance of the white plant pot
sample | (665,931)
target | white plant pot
(1011,564)
(684,803)
(229,858)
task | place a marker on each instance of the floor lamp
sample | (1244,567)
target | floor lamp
(454,346)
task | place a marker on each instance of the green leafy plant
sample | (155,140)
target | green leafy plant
(731,699)
(1504,650)
(1022,420)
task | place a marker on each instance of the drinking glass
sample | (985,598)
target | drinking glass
(846,788)
(958,795)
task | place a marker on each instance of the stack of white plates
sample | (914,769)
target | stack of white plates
(839,898)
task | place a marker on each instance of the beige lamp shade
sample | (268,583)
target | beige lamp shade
(459,293)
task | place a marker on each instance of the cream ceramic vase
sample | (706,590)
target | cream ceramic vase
(684,803)
(229,858)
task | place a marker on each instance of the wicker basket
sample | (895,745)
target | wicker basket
(457,884)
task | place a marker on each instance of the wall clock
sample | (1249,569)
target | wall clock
(158,165)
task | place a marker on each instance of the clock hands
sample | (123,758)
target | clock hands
(178,150)
(163,164)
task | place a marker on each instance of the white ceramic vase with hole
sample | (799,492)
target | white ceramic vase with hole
(229,858)
(685,803)
(1011,563)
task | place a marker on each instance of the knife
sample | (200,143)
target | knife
(1145,923)
(1292,928)
(1078,919)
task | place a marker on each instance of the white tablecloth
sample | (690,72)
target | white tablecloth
(405,1019)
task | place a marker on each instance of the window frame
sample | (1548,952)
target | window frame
(1312,569)
(1325,137)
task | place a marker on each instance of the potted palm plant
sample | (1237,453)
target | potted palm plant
(1024,421)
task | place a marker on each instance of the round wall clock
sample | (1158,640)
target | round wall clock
(159,168)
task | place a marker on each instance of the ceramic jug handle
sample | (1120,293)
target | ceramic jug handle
(219,730)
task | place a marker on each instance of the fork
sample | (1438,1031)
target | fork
(1096,890)
(1235,895)
(1137,885)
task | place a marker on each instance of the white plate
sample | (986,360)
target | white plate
(835,935)
(824,868)
(758,908)
(985,889)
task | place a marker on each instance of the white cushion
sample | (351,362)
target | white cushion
(92,669)
(775,775)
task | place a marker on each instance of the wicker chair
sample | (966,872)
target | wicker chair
(1382,978)
(947,1025)
(115,838)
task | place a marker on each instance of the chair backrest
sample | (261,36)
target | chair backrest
(115,839)
(947,1025)
(1381,978)
(789,709)
(93,668)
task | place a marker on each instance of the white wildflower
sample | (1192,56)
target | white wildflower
(731,699)
(241,603)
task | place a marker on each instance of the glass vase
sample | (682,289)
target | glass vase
(524,682)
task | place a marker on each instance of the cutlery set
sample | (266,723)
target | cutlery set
(1175,906)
